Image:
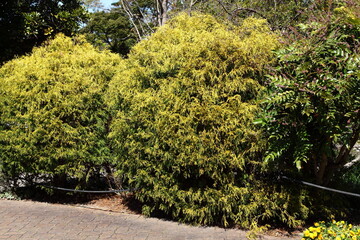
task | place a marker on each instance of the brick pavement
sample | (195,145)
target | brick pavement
(34,220)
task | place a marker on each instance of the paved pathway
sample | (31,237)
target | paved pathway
(34,220)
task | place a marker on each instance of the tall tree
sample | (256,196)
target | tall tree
(27,23)
(110,29)
(12,25)
(313,112)
(280,14)
(93,5)
(141,14)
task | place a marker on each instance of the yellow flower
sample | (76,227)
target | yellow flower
(333,221)
(306,233)
(350,225)
(320,237)
(354,238)
(337,238)
(342,236)
(313,235)
(316,224)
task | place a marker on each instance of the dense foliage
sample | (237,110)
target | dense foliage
(111,30)
(27,23)
(53,119)
(279,14)
(313,114)
(184,104)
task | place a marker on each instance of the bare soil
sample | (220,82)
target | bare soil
(124,203)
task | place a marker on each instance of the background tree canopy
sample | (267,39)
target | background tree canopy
(110,29)
(27,23)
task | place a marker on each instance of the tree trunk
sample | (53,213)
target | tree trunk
(322,169)
(162,10)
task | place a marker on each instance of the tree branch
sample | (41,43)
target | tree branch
(345,151)
(248,10)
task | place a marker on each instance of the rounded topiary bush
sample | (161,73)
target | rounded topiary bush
(184,103)
(53,118)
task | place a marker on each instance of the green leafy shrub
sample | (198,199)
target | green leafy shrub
(8,196)
(350,179)
(335,230)
(312,117)
(184,103)
(53,118)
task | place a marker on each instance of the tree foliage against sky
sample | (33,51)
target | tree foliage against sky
(144,15)
(111,30)
(93,5)
(278,13)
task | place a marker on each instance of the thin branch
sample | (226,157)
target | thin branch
(130,15)
(158,11)
(143,17)
(345,151)
(192,3)
(248,10)
(353,162)
(222,5)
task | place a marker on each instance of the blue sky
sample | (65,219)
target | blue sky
(107,3)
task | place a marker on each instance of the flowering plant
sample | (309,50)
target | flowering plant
(336,230)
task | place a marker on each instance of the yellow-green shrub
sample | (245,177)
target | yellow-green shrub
(184,103)
(53,119)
